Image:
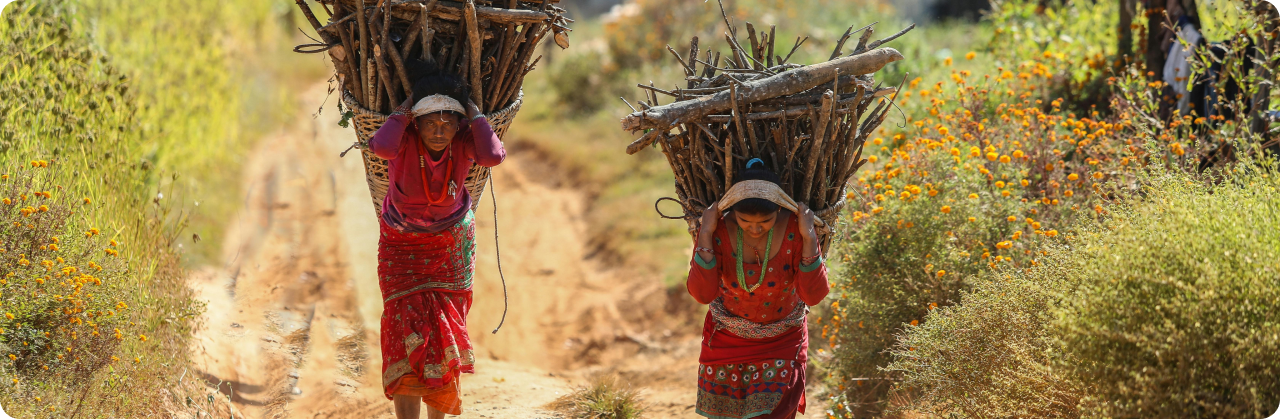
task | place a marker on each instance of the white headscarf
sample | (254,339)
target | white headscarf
(438,103)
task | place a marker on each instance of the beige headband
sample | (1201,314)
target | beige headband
(762,189)
(437,103)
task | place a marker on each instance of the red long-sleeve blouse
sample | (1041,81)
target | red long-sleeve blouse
(475,143)
(787,283)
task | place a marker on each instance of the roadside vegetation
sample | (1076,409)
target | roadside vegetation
(123,121)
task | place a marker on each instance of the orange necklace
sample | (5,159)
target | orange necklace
(446,190)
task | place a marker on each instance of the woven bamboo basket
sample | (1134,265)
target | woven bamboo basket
(368,122)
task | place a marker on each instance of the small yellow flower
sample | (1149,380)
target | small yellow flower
(1013,218)
(13,357)
(44,208)
(1068,193)
(1004,193)
(1017,154)
(1025,183)
(941,273)
(1098,175)
(1051,233)
(973,196)
(992,156)
(53,247)
(946,209)
(877,210)
(142,338)
(1005,159)
(915,322)
(973,220)
(999,184)
(955,151)
(1073,176)
(872,159)
(86,200)
(971,55)
(8,316)
(947,62)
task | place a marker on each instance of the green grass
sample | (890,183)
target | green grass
(140,112)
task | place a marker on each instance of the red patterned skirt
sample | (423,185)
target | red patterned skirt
(426,289)
(758,377)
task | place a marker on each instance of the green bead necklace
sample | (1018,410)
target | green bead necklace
(764,260)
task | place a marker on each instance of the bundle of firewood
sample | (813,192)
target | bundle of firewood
(807,123)
(491,44)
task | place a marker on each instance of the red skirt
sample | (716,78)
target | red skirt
(426,289)
(762,378)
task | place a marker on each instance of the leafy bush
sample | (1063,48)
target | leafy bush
(1165,309)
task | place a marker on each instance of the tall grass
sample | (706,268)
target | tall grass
(134,113)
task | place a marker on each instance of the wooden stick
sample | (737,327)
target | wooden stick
(815,149)
(693,60)
(456,12)
(787,83)
(365,48)
(799,42)
(769,58)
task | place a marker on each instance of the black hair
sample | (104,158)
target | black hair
(429,80)
(755,170)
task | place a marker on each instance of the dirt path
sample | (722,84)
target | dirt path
(291,325)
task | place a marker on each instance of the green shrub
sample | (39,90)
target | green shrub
(1165,309)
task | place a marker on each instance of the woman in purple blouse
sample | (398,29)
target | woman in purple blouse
(426,250)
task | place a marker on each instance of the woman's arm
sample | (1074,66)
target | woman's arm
(811,279)
(489,150)
(387,141)
(704,271)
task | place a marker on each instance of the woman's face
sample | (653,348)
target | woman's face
(437,130)
(756,225)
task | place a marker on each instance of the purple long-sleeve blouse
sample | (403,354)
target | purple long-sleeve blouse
(407,201)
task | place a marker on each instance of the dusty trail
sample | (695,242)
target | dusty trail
(291,325)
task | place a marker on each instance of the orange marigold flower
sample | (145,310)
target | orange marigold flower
(1098,175)
(877,210)
(872,159)
(1176,148)
(86,200)
(915,323)
(941,273)
(1068,193)
(955,151)
(946,209)
(1004,194)
(1073,176)
(1025,183)
(1051,233)
(992,156)
(1013,218)
(973,196)
(1017,154)
(1005,159)
(973,220)
(971,55)
(1000,184)
(933,192)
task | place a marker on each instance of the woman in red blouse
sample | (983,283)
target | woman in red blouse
(426,251)
(759,268)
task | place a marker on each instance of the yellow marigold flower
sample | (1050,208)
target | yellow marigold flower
(973,196)
(142,338)
(905,195)
(879,197)
(943,130)
(992,156)
(1073,176)
(121,306)
(114,243)
(955,151)
(1005,159)
(112,252)
(24,262)
(1051,233)
(1177,149)
(8,201)
(1017,154)
(971,55)
(947,62)
(1000,184)
(44,208)
(915,322)
(1068,193)
(1017,235)
(877,210)
(872,159)
(933,192)
(975,152)
(8,316)
(13,357)
(1098,175)
(1013,218)
(1035,225)
(53,247)
(1004,245)
(1025,183)
(973,220)
(941,273)
(946,209)
(137,360)
(35,163)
